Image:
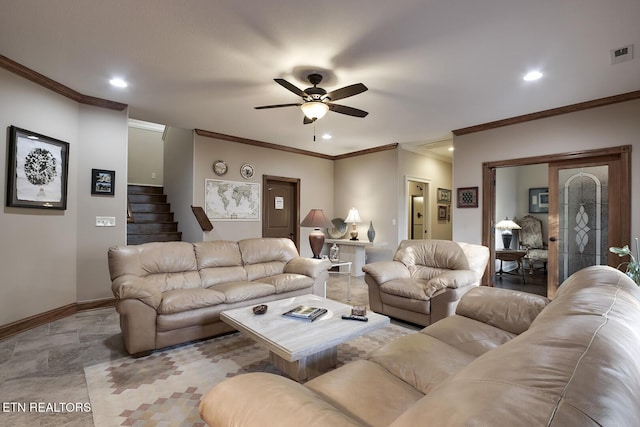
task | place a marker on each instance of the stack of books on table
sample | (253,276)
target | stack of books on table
(304,312)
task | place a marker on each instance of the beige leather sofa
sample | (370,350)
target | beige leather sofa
(505,359)
(173,292)
(425,280)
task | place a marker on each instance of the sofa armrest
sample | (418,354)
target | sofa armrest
(509,310)
(256,399)
(136,288)
(383,271)
(311,267)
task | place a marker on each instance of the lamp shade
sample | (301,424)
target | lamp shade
(316,218)
(314,109)
(507,224)
(353,216)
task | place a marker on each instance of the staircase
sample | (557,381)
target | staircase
(152,219)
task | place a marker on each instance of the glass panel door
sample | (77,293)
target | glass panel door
(583,205)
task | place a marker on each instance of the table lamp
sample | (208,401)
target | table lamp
(316,219)
(353,217)
(506,225)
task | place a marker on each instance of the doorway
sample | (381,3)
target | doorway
(281,207)
(418,224)
(574,215)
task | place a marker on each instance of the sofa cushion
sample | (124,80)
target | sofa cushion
(438,254)
(255,251)
(288,282)
(217,253)
(408,288)
(468,335)
(244,291)
(217,275)
(517,309)
(366,392)
(264,269)
(420,360)
(179,300)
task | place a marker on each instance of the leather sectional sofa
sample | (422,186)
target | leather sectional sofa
(505,358)
(173,292)
(425,280)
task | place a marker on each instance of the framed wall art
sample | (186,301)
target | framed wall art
(442,212)
(444,195)
(468,197)
(232,200)
(539,200)
(37,170)
(103,182)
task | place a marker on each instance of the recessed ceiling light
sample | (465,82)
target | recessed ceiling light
(118,82)
(532,75)
(326,136)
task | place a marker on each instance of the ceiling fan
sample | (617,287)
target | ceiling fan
(316,101)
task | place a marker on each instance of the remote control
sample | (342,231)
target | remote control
(355,317)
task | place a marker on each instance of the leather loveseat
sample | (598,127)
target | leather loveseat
(173,292)
(425,280)
(505,358)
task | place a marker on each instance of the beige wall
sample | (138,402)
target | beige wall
(50,259)
(438,174)
(146,153)
(315,174)
(609,126)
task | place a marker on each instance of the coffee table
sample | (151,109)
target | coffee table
(299,348)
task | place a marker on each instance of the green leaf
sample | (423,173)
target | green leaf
(624,251)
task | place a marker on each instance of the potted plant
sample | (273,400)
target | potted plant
(633,266)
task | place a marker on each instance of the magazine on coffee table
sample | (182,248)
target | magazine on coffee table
(305,312)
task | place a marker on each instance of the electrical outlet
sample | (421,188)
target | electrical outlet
(153,175)
(105,221)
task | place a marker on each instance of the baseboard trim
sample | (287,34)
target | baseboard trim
(52,315)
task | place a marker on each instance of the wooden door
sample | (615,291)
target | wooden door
(281,208)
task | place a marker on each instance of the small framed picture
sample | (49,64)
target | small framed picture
(468,197)
(539,200)
(442,212)
(444,195)
(103,182)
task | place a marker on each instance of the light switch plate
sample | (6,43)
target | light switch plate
(105,221)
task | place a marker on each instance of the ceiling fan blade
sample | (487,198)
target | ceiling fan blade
(346,91)
(349,111)
(285,84)
(277,106)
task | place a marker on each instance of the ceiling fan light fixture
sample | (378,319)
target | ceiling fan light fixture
(314,110)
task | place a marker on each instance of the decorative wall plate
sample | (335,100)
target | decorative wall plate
(220,167)
(246,171)
(338,230)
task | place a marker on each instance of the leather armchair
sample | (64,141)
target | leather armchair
(425,280)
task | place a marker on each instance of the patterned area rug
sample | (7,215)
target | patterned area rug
(165,388)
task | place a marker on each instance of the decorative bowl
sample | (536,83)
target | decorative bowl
(260,309)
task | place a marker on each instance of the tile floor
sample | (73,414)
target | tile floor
(46,364)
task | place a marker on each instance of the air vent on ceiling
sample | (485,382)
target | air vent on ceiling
(622,54)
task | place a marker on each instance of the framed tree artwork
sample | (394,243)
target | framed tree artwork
(37,170)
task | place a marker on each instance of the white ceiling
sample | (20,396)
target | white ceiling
(430,66)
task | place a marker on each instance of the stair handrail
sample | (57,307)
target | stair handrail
(201,216)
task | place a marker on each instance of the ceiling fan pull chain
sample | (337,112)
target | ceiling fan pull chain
(314,131)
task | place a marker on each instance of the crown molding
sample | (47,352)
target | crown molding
(550,113)
(59,88)
(224,137)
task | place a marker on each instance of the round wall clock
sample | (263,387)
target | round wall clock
(246,171)
(220,167)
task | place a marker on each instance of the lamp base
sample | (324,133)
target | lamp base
(354,232)
(316,241)
(506,240)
